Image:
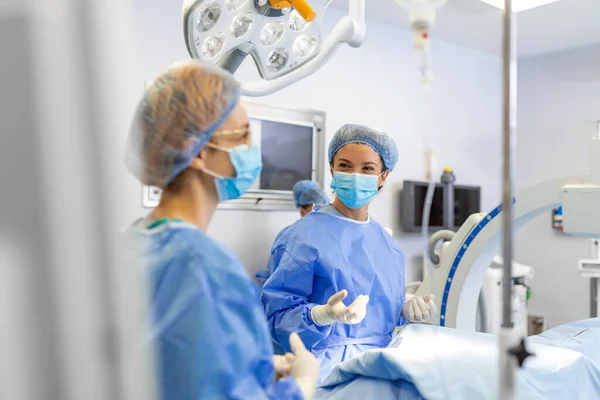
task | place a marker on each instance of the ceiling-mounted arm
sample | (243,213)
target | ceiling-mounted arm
(285,45)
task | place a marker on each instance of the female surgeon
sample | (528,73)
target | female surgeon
(339,255)
(190,136)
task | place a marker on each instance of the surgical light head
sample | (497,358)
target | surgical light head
(283,37)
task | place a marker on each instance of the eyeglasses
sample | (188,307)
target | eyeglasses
(240,131)
(244,134)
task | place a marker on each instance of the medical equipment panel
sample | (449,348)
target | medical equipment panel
(581,214)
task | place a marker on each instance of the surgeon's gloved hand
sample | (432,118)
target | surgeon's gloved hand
(419,309)
(305,368)
(335,310)
(283,365)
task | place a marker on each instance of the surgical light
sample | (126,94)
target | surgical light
(283,37)
(234,5)
(271,33)
(209,16)
(297,22)
(213,45)
(520,5)
(277,60)
(305,45)
(241,24)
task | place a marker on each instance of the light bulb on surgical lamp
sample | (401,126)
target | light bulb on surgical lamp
(234,5)
(213,45)
(305,45)
(282,36)
(277,60)
(241,24)
(209,16)
(297,22)
(271,33)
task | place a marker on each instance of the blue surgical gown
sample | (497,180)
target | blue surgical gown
(317,257)
(208,325)
(262,275)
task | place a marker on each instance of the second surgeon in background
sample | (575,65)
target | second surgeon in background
(191,137)
(307,194)
(339,255)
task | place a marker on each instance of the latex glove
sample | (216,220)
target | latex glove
(305,368)
(419,309)
(283,365)
(335,310)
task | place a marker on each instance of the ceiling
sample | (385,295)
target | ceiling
(563,25)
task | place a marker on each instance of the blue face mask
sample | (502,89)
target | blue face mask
(354,190)
(247,162)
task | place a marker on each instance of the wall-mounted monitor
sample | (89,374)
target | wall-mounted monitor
(467,201)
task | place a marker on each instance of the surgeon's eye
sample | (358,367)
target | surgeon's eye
(369,169)
(343,165)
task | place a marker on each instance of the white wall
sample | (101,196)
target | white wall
(559,106)
(374,85)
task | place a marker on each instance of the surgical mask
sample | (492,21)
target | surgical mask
(355,190)
(247,163)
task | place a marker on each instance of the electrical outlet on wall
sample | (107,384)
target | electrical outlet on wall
(151,196)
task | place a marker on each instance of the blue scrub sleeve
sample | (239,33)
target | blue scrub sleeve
(214,344)
(285,297)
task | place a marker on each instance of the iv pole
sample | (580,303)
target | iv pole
(507,339)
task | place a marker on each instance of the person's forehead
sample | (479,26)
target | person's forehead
(357,152)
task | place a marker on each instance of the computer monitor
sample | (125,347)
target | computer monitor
(467,201)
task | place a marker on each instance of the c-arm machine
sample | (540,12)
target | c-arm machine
(464,259)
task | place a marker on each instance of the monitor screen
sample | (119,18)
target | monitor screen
(287,153)
(466,202)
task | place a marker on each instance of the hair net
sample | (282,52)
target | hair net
(176,118)
(381,142)
(308,192)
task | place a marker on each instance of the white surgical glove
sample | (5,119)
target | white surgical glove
(419,309)
(335,310)
(283,365)
(305,368)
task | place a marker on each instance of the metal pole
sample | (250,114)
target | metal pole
(507,382)
(594,297)
(509,124)
(594,282)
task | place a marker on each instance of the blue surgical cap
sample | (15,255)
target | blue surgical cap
(381,142)
(176,118)
(308,192)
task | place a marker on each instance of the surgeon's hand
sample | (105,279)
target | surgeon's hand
(335,310)
(305,368)
(283,365)
(419,309)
